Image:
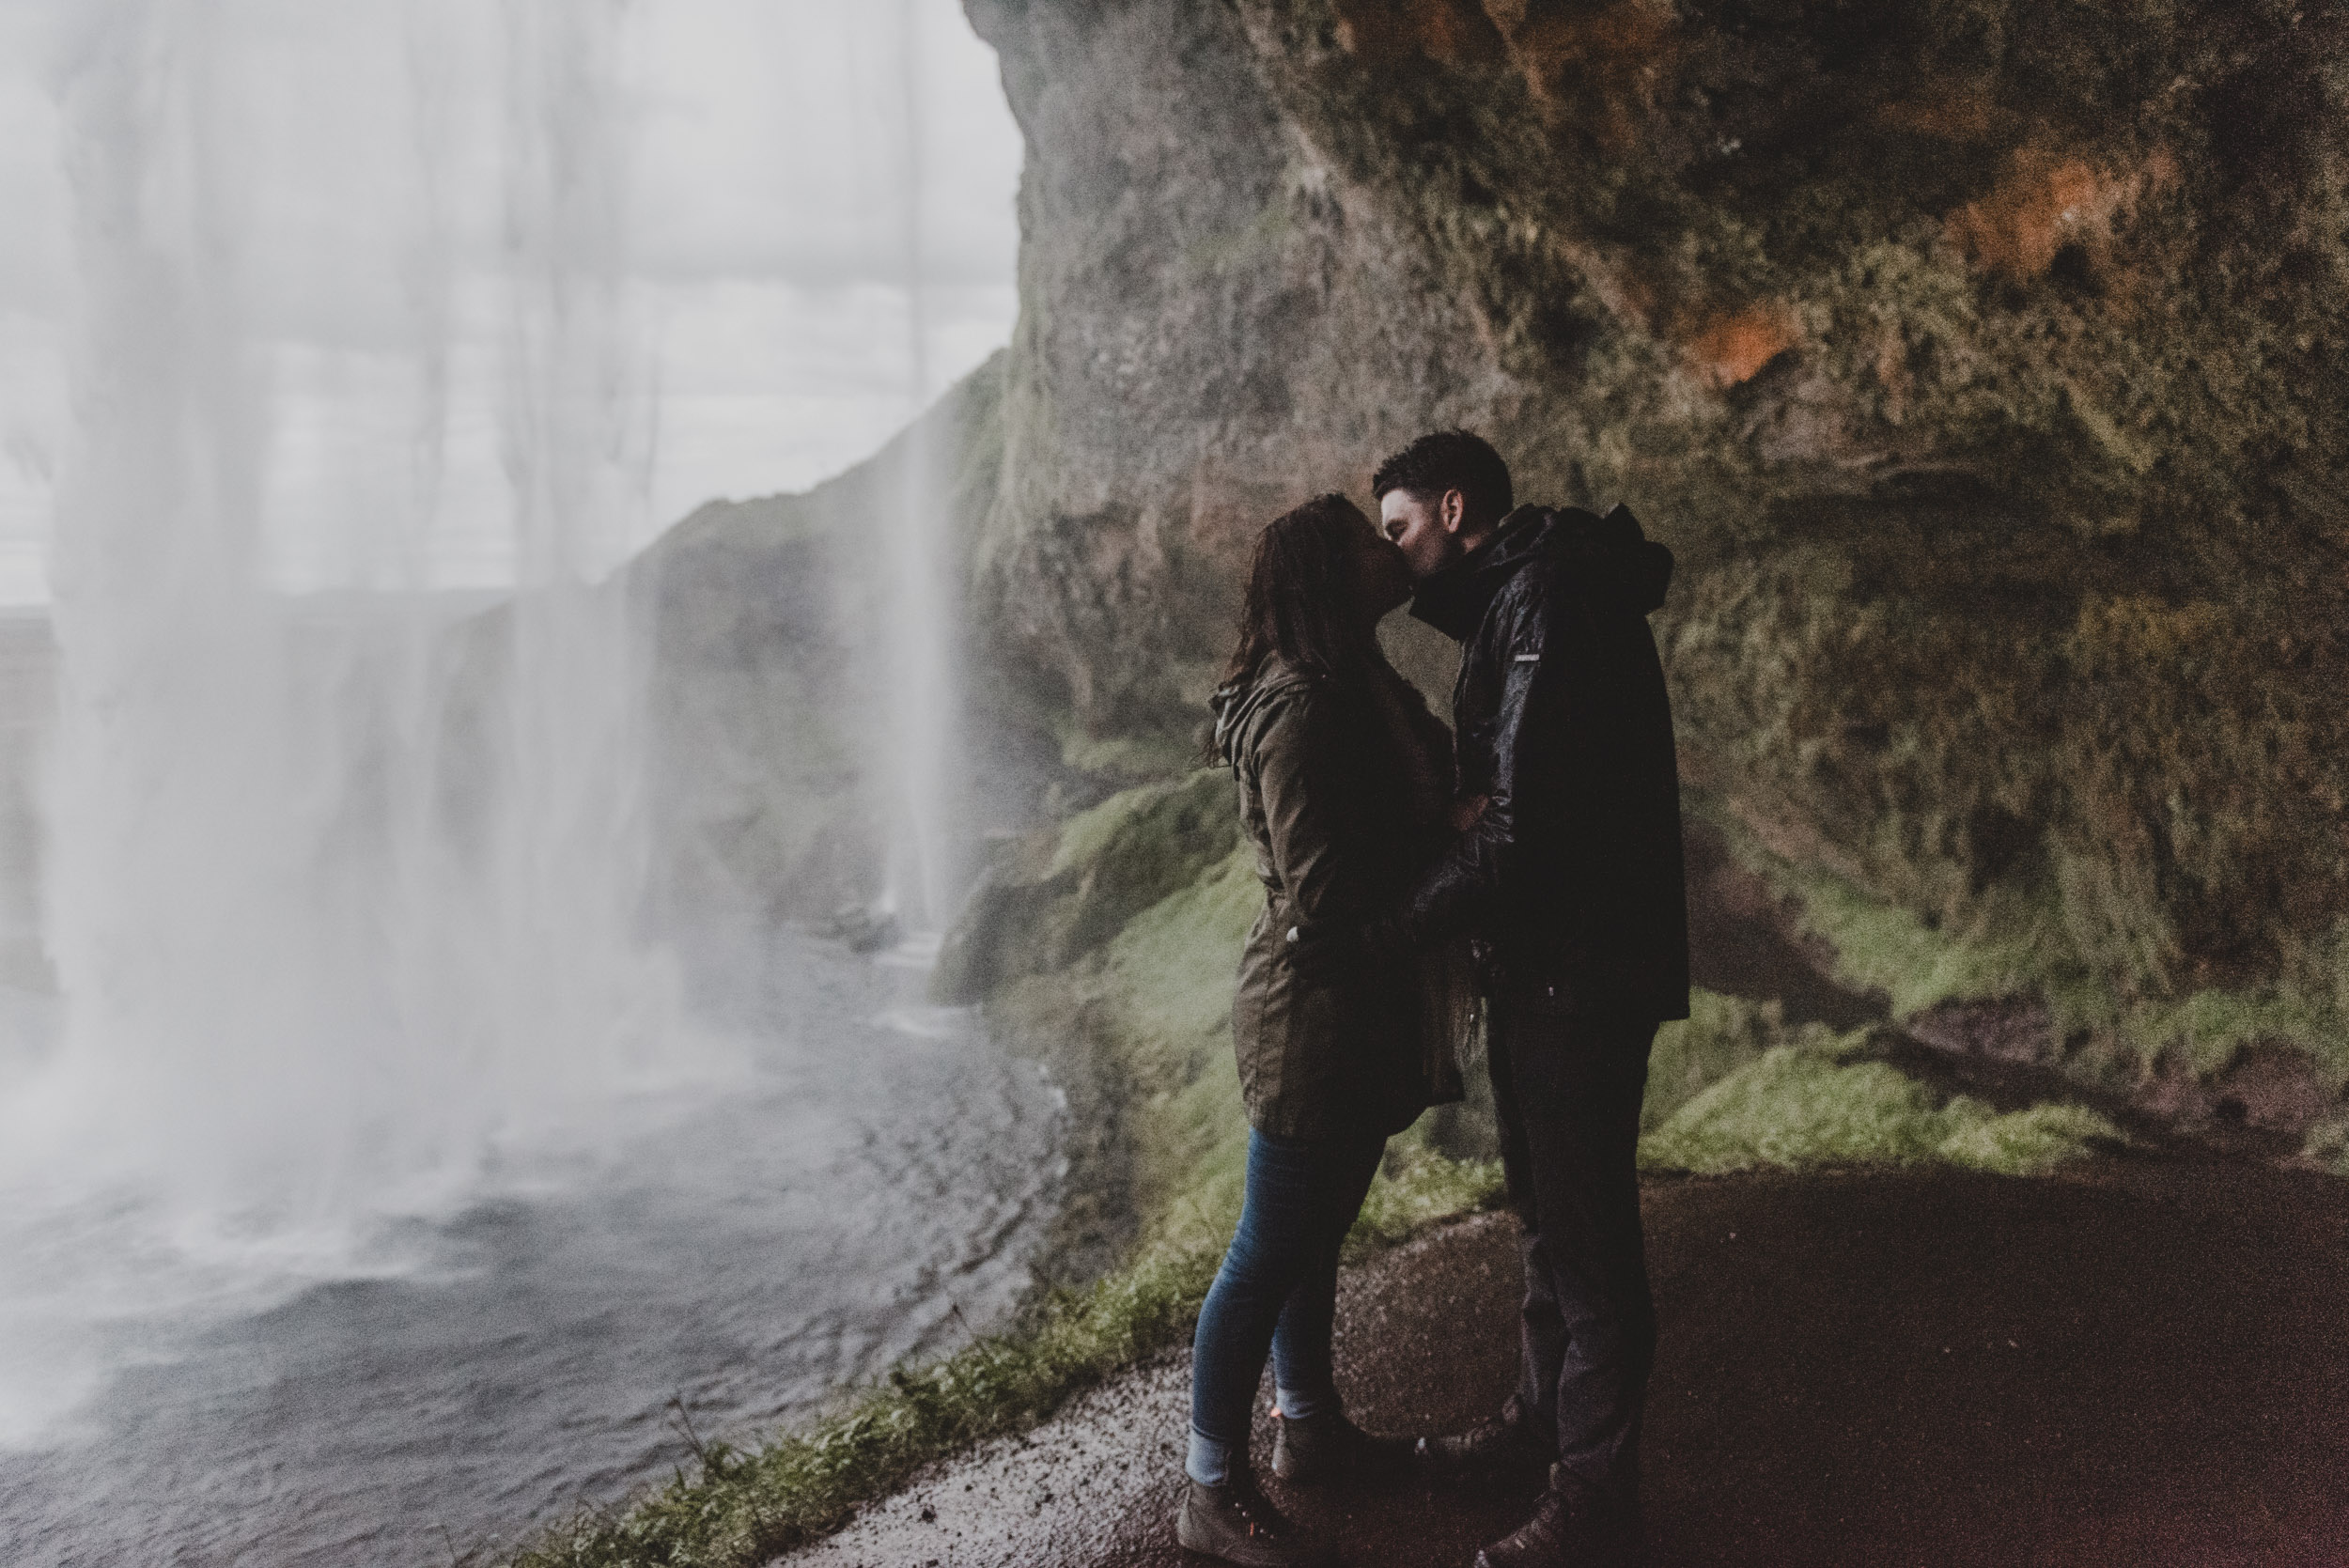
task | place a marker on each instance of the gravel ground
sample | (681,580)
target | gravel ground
(2142,1363)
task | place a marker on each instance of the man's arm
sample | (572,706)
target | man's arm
(1470,879)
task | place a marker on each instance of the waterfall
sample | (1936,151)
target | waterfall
(921,873)
(341,888)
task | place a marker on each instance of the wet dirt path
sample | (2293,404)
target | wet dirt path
(2145,1364)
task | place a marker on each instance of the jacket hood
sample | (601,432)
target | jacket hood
(1237,703)
(1605,561)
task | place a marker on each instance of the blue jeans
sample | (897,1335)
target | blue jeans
(1277,1291)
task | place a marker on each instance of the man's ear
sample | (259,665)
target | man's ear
(1452,511)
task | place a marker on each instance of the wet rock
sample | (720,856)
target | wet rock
(859,927)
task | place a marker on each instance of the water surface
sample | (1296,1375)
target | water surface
(874,1184)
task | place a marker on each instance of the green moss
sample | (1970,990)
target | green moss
(1798,1108)
(2212,1028)
(2327,1145)
(1052,901)
(1252,244)
(2025,1142)
(1417,1186)
(1883,946)
(1720,1035)
(2015,946)
(1158,834)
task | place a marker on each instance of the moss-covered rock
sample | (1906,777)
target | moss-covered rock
(1047,901)
(1795,1109)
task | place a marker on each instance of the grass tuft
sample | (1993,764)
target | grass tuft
(2327,1146)
(1720,1035)
(1415,1187)
(1795,1109)
(2028,1141)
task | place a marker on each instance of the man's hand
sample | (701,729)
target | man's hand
(1464,813)
(1333,954)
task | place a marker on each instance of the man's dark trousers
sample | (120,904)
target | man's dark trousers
(1567,1082)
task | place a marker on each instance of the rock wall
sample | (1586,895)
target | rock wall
(1980,360)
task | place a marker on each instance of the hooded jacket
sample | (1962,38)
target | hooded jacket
(1573,875)
(1342,815)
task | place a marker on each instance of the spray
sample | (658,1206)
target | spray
(341,890)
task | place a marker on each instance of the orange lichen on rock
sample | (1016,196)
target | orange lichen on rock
(1732,349)
(2046,201)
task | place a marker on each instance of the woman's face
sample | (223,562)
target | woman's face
(1381,573)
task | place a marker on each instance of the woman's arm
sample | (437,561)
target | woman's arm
(1301,778)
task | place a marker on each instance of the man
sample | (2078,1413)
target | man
(1571,882)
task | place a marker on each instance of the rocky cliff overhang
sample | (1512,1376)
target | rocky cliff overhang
(1980,359)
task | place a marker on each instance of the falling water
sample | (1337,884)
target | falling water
(367,1190)
(921,629)
(341,887)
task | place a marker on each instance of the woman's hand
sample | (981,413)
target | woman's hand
(1466,812)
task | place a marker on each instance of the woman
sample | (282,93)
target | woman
(1345,787)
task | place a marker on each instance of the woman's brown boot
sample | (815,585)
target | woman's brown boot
(1237,1523)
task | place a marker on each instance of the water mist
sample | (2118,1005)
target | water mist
(341,889)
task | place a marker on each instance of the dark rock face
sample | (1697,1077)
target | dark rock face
(1980,360)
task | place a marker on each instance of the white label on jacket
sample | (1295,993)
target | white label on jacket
(1527,659)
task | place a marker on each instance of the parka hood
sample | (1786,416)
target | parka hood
(1235,703)
(1606,560)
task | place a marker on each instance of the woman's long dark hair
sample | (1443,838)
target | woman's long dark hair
(1304,594)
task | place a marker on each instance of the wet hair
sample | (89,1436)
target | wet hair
(1303,600)
(1450,461)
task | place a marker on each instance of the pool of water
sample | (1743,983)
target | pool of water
(870,1178)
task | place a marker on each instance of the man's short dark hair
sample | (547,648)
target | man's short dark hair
(1450,461)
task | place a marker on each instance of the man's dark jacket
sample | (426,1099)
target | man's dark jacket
(1573,875)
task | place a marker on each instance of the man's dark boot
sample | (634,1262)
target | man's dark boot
(1571,1528)
(1235,1523)
(1327,1447)
(1511,1446)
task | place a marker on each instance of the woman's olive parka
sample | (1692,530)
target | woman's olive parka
(1343,790)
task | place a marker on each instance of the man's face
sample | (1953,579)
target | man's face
(1425,528)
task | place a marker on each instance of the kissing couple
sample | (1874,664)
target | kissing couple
(1535,867)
